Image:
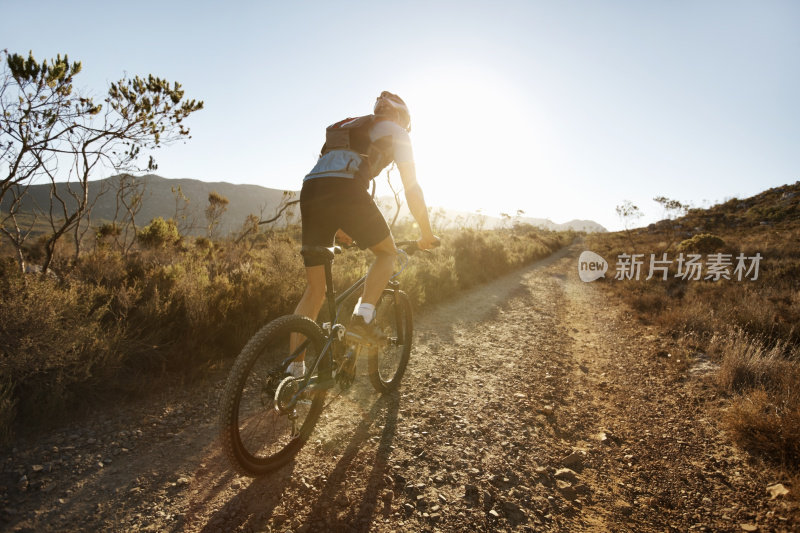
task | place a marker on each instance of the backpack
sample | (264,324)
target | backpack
(349,152)
(349,134)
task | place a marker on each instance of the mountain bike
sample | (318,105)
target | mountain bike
(267,415)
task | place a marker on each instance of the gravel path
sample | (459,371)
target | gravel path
(530,403)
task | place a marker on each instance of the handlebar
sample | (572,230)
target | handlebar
(411,247)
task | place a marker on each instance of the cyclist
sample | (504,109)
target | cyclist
(334,202)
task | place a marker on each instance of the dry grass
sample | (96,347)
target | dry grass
(749,327)
(767,425)
(113,322)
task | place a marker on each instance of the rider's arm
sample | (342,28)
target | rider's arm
(416,202)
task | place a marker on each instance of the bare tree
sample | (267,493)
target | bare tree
(628,213)
(398,202)
(249,228)
(217,205)
(672,208)
(52,133)
(14,225)
(129,201)
(84,224)
(287,202)
(183,216)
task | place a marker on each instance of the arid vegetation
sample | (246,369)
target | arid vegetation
(746,323)
(120,316)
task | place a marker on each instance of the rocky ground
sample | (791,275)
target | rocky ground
(531,403)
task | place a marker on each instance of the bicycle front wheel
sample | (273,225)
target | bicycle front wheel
(388,362)
(260,429)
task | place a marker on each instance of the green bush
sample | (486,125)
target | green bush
(158,233)
(703,243)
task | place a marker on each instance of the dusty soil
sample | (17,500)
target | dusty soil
(531,403)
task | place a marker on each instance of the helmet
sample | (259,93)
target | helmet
(387,101)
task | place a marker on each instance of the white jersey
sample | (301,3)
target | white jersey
(401,142)
(394,143)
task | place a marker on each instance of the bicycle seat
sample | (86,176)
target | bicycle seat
(320,252)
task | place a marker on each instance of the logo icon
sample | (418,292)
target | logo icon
(591,266)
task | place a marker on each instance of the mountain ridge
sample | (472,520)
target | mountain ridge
(159,199)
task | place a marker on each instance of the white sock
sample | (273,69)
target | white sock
(367,311)
(296,369)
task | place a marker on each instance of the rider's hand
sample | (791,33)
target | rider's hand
(343,237)
(426,243)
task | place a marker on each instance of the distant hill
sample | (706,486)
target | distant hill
(450,218)
(159,200)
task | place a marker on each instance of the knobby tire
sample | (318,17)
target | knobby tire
(256,437)
(388,362)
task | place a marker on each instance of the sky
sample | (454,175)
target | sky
(561,109)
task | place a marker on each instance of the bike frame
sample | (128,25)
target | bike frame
(334,304)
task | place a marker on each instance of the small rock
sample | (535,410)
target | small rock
(566,474)
(494,514)
(513,511)
(573,460)
(488,500)
(582,489)
(182,481)
(776,491)
(547,410)
(623,507)
(409,508)
(37,468)
(748,527)
(567,490)
(471,494)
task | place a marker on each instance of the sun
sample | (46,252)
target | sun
(472,139)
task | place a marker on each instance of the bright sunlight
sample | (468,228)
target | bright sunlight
(478,142)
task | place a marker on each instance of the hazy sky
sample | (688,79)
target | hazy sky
(562,109)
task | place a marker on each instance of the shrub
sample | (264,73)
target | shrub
(118,319)
(158,233)
(703,243)
(766,425)
(53,346)
(479,258)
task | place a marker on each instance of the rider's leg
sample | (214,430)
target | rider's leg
(309,304)
(380,272)
(312,299)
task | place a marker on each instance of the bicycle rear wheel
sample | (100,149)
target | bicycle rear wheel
(258,432)
(388,362)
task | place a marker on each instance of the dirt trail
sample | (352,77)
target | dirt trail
(530,403)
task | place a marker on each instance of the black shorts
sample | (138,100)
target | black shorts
(330,204)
